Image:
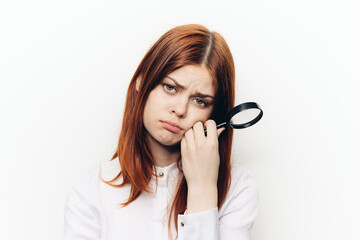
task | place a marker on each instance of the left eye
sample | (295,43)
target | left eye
(199,101)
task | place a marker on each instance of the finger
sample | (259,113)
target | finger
(220,130)
(183,145)
(189,137)
(211,128)
(198,129)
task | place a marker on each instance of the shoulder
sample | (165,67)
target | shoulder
(242,182)
(110,169)
(83,213)
(243,191)
(241,178)
(240,208)
(86,188)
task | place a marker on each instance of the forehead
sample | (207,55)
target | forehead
(194,77)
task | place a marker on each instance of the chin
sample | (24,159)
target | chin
(169,142)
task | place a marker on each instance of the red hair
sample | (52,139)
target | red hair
(183,45)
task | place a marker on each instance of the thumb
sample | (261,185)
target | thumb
(220,130)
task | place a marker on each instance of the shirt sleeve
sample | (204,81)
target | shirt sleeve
(82,220)
(235,221)
(201,225)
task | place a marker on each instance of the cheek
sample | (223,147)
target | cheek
(148,109)
(197,115)
(157,98)
(155,104)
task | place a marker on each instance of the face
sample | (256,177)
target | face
(182,98)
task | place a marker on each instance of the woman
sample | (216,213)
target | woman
(168,179)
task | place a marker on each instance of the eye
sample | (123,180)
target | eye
(200,102)
(169,88)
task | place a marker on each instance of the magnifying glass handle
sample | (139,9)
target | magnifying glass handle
(217,127)
(221,125)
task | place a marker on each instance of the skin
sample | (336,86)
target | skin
(186,107)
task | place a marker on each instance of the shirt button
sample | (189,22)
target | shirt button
(182,224)
(161,174)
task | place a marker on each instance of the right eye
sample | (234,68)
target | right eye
(169,88)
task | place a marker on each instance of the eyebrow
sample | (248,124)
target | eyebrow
(183,87)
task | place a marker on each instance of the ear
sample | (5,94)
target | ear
(138,81)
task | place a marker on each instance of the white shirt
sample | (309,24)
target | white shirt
(92,210)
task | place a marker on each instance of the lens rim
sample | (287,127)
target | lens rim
(240,108)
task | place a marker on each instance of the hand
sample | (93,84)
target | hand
(200,155)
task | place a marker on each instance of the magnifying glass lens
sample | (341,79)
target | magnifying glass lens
(245,116)
(242,116)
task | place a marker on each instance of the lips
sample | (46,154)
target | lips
(173,127)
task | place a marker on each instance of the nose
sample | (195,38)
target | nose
(180,108)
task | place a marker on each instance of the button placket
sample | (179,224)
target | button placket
(161,197)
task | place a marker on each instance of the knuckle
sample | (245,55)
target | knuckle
(210,123)
(198,123)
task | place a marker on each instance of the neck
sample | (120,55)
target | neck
(163,155)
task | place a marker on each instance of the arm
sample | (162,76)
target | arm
(232,222)
(200,159)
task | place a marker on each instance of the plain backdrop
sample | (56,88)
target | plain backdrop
(65,67)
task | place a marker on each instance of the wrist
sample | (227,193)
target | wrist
(202,188)
(201,199)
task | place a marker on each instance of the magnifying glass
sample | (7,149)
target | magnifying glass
(242,116)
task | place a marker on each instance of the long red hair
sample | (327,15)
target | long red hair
(180,46)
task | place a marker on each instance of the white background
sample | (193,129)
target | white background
(65,67)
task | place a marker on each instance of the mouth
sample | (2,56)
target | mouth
(173,127)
